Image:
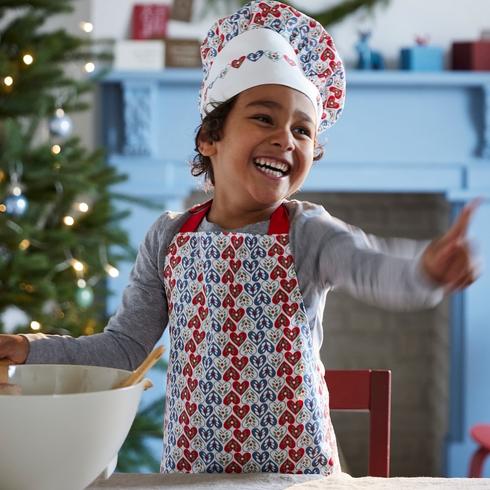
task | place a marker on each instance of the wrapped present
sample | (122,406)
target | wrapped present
(139,55)
(150,21)
(183,53)
(182,10)
(471,55)
(422,57)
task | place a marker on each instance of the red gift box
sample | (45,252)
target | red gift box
(150,21)
(471,55)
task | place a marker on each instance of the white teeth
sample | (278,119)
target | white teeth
(275,173)
(282,167)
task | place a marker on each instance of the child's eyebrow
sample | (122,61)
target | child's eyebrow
(276,105)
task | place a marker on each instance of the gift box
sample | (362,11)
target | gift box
(471,55)
(150,21)
(422,58)
(182,10)
(183,53)
(139,55)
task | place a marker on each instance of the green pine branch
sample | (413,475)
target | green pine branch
(37,247)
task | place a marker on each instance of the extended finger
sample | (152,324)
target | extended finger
(460,227)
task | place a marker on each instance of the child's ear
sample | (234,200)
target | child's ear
(206,146)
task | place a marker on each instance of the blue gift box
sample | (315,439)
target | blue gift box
(422,58)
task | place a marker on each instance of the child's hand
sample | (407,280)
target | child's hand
(14,348)
(448,259)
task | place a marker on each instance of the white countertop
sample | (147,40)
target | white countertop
(274,481)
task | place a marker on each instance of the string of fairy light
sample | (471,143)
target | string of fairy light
(15,205)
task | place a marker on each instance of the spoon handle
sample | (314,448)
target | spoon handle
(137,375)
(4,370)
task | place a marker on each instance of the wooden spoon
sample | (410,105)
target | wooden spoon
(4,371)
(136,376)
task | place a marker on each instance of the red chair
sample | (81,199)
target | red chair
(481,434)
(366,390)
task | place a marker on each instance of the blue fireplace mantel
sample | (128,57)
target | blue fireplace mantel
(400,132)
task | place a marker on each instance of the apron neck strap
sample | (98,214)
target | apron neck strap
(278,223)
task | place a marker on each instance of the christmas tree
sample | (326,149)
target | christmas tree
(60,229)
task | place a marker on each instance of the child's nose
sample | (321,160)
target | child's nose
(284,139)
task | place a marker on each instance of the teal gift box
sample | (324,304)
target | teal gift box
(422,58)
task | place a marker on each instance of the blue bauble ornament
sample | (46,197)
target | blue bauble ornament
(16,204)
(60,125)
(84,297)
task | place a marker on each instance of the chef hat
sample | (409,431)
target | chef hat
(268,42)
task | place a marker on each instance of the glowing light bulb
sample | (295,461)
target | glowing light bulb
(111,271)
(83,207)
(77,265)
(68,220)
(8,81)
(56,149)
(28,59)
(16,190)
(86,26)
(24,244)
(3,208)
(35,326)
(81,283)
(89,67)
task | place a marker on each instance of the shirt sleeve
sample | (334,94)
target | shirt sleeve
(381,272)
(136,326)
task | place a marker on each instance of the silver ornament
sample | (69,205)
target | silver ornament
(13,318)
(60,125)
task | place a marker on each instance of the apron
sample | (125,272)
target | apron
(245,389)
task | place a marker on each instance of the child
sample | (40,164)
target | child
(241,280)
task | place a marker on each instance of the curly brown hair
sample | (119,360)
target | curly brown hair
(210,130)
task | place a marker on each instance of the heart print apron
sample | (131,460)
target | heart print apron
(245,389)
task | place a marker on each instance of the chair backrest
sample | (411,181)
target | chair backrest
(366,390)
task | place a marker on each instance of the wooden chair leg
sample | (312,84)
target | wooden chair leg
(476,463)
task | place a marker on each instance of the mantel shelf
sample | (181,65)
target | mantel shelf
(354,77)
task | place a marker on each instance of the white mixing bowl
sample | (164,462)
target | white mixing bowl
(65,428)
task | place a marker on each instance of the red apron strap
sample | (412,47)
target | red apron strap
(197,214)
(278,224)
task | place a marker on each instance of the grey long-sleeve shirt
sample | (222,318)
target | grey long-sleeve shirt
(327,252)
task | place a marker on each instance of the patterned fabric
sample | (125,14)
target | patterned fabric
(244,388)
(307,58)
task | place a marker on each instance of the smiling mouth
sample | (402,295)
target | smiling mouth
(271,167)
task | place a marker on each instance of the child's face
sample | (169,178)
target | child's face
(266,149)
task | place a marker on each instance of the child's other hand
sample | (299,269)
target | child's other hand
(448,260)
(14,348)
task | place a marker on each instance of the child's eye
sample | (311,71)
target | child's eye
(303,131)
(263,118)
